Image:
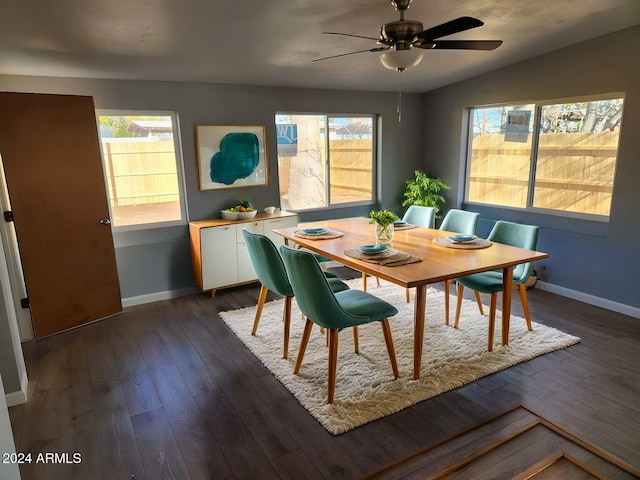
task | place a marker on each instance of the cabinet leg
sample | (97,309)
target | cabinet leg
(213,292)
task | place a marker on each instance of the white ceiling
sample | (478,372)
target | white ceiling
(273,42)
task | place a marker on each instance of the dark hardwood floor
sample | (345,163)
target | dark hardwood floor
(166,391)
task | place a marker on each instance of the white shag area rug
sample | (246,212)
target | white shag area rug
(365,387)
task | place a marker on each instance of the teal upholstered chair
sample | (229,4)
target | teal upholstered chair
(331,310)
(272,275)
(458,221)
(508,233)
(420,216)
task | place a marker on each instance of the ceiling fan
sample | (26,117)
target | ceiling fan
(403,41)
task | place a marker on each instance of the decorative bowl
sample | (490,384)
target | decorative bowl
(462,238)
(245,215)
(315,231)
(371,249)
(227,215)
(269,210)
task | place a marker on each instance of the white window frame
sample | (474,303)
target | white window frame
(534,156)
(374,159)
(177,144)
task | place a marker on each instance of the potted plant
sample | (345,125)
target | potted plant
(424,190)
(384,225)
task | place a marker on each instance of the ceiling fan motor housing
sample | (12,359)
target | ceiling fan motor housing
(400,32)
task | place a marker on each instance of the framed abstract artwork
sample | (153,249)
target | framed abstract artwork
(231,156)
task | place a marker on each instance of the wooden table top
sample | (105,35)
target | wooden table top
(438,263)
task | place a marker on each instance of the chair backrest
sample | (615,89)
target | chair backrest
(311,289)
(516,235)
(460,221)
(420,216)
(267,263)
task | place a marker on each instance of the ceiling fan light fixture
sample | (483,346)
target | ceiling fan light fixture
(400,60)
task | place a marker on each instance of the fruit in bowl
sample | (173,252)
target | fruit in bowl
(241,210)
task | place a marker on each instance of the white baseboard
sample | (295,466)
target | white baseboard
(590,299)
(16,398)
(157,296)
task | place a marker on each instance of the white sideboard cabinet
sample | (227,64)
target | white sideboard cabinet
(219,255)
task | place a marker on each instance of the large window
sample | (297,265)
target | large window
(558,156)
(141,163)
(325,160)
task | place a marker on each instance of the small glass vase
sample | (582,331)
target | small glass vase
(384,234)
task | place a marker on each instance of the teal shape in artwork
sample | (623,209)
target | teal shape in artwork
(238,158)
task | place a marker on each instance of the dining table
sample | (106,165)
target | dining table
(432,262)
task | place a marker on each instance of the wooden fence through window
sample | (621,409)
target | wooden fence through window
(574,171)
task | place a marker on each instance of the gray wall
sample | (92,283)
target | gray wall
(158,260)
(598,259)
(589,257)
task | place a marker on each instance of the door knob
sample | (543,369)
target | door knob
(105,221)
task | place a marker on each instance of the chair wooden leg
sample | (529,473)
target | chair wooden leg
(458,305)
(308,326)
(286,318)
(377,281)
(492,319)
(386,331)
(478,301)
(364,282)
(408,295)
(447,283)
(356,340)
(525,304)
(333,363)
(261,298)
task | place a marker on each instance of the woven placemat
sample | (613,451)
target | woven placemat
(324,236)
(472,245)
(389,258)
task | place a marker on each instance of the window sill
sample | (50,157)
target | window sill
(543,219)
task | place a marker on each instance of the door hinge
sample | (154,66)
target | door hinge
(8,216)
(24,302)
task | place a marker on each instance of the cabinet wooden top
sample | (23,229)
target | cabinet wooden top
(216,222)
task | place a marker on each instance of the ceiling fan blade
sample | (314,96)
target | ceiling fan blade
(449,28)
(461,45)
(350,35)
(378,49)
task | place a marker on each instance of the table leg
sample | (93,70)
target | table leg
(507,287)
(418,328)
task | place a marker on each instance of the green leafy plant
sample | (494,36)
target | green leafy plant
(424,190)
(382,217)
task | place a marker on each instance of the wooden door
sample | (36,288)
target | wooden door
(50,150)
